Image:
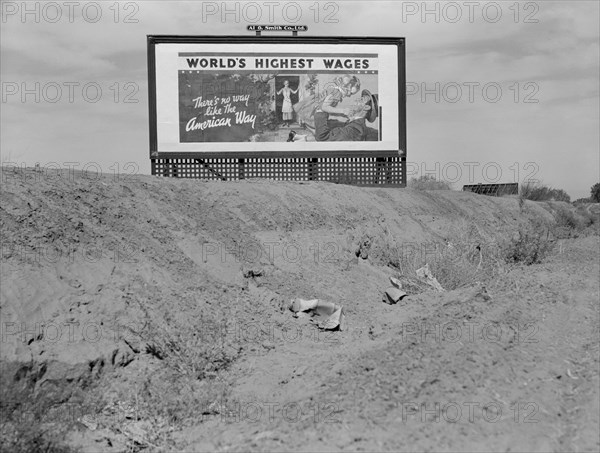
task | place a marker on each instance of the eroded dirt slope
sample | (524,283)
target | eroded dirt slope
(109,283)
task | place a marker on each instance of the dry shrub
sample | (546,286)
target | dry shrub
(467,257)
(192,353)
(196,346)
(30,422)
(463,259)
(589,214)
(535,191)
(572,221)
(188,373)
(566,220)
(531,243)
(32,436)
(428,182)
(164,402)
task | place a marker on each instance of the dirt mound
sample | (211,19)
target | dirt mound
(167,292)
(91,252)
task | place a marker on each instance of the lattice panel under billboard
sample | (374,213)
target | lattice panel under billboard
(344,170)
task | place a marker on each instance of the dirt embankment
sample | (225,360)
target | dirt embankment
(171,294)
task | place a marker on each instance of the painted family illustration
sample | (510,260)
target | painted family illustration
(277,107)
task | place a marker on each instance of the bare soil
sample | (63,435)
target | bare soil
(156,309)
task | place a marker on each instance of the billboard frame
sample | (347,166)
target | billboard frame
(153,40)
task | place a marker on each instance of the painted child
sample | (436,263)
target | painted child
(333,94)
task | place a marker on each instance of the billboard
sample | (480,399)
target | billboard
(276,96)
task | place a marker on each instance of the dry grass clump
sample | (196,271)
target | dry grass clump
(30,422)
(165,402)
(466,257)
(196,347)
(535,191)
(530,244)
(31,436)
(185,359)
(590,217)
(573,221)
(428,182)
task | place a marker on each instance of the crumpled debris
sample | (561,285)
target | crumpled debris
(213,408)
(329,316)
(364,246)
(426,274)
(397,283)
(252,272)
(394,294)
(89,422)
(138,432)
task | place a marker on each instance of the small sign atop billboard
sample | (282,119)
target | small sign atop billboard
(277,28)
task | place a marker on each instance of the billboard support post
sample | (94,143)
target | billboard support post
(241,168)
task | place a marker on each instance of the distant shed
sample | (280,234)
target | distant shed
(494,190)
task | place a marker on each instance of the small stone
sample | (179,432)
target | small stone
(300,371)
(268,345)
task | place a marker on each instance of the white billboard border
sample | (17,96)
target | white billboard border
(153,40)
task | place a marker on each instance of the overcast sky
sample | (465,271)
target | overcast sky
(543,56)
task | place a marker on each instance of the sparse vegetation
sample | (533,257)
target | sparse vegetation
(164,401)
(530,244)
(535,191)
(595,193)
(589,215)
(428,182)
(190,348)
(189,374)
(30,436)
(572,221)
(466,257)
(192,357)
(566,218)
(30,422)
